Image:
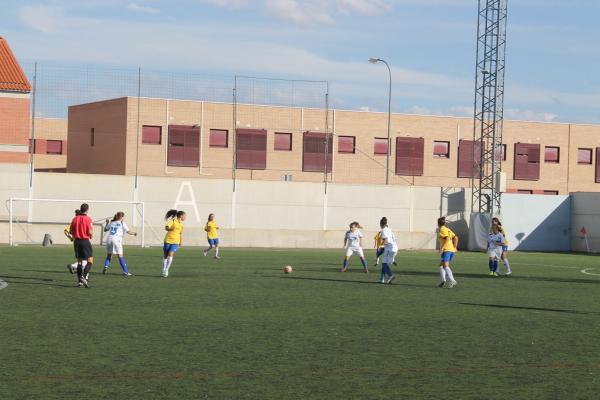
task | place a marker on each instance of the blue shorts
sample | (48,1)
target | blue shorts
(504,248)
(170,248)
(213,242)
(447,256)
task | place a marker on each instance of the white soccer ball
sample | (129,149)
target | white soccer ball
(288,269)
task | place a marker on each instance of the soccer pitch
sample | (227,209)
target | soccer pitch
(239,328)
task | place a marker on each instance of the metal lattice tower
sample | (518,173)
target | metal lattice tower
(489,105)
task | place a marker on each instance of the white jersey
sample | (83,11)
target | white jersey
(387,234)
(495,240)
(353,239)
(116,229)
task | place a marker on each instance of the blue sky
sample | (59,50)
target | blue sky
(552,54)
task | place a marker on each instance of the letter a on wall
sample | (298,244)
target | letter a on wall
(181,204)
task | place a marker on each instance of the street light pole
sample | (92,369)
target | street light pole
(389,126)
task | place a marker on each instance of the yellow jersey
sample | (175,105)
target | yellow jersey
(379,240)
(174,236)
(68,229)
(211,230)
(445,237)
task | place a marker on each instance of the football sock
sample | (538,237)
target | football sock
(216,252)
(79,271)
(123,264)
(495,265)
(363,262)
(87,269)
(346,262)
(507,265)
(164,264)
(377,261)
(450,274)
(491,264)
(107,262)
(169,262)
(443,274)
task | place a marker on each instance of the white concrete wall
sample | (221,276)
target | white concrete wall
(260,213)
(585,212)
(537,222)
(14,182)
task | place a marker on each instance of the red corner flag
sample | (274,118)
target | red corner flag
(583,231)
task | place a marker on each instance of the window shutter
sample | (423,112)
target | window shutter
(283,141)
(218,138)
(346,144)
(54,147)
(527,162)
(251,149)
(380,146)
(183,146)
(533,162)
(313,157)
(151,134)
(467,166)
(597,164)
(409,156)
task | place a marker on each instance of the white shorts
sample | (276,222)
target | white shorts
(388,256)
(495,253)
(355,250)
(114,246)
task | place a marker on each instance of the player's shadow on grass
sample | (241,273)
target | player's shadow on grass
(397,282)
(484,276)
(41,281)
(530,308)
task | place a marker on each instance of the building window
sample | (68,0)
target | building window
(527,162)
(54,147)
(92,137)
(524,191)
(151,134)
(380,147)
(584,156)
(551,192)
(313,152)
(409,156)
(468,167)
(500,153)
(552,154)
(283,141)
(219,138)
(441,149)
(251,149)
(183,146)
(346,144)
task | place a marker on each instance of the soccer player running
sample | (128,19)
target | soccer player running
(114,242)
(212,236)
(496,221)
(390,248)
(448,247)
(72,267)
(495,244)
(173,238)
(353,245)
(82,231)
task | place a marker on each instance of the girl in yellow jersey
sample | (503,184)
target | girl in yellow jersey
(212,235)
(504,257)
(448,247)
(379,247)
(173,238)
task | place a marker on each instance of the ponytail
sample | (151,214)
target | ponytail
(118,216)
(171,214)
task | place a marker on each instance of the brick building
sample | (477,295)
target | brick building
(195,139)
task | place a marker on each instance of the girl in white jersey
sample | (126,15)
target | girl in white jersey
(390,249)
(495,243)
(353,245)
(114,242)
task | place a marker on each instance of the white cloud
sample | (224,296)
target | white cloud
(227,3)
(366,7)
(300,12)
(43,18)
(529,115)
(135,7)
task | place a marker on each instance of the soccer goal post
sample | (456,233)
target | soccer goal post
(31,219)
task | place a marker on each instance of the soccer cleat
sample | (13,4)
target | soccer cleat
(205,253)
(394,263)
(84,282)
(217,258)
(491,273)
(79,284)
(126,274)
(452,284)
(496,274)
(441,284)
(366,270)
(104,271)
(382,281)
(509,273)
(71,270)
(343,270)
(390,279)
(165,274)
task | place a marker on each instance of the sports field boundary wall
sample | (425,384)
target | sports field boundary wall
(585,213)
(256,214)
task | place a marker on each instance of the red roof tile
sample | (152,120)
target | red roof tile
(12,77)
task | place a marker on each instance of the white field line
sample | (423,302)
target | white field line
(484,258)
(586,271)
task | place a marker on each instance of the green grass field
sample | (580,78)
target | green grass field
(239,328)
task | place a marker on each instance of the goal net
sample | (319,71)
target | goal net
(30,220)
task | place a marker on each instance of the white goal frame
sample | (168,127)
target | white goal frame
(30,200)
